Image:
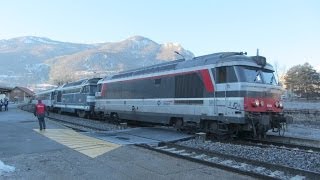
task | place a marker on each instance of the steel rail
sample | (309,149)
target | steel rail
(274,167)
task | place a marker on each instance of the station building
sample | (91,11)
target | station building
(21,94)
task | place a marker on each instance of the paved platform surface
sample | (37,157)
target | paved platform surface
(52,155)
(144,135)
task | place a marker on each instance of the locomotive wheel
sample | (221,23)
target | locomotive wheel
(115,117)
(81,113)
(282,129)
(178,123)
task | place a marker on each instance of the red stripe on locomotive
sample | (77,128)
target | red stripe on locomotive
(207,80)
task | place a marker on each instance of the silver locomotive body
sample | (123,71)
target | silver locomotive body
(224,93)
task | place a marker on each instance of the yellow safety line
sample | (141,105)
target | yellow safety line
(87,145)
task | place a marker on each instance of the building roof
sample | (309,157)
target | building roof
(5,89)
(26,90)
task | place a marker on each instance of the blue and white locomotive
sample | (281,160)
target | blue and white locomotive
(75,97)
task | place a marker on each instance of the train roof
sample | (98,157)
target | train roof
(80,83)
(46,91)
(239,58)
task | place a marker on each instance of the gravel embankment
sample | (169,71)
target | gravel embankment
(292,158)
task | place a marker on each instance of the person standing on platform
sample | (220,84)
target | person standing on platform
(40,111)
(6,103)
(1,104)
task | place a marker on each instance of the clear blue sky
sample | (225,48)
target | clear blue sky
(286,31)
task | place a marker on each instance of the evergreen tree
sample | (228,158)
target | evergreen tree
(303,80)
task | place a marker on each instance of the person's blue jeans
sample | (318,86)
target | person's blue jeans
(42,123)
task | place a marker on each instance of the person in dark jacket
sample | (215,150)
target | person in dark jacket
(6,103)
(1,104)
(40,111)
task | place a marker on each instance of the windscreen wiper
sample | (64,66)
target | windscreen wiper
(272,79)
(258,75)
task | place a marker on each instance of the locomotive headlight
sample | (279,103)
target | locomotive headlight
(280,105)
(277,104)
(255,103)
(261,103)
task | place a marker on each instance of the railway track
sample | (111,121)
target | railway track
(287,142)
(249,167)
(77,126)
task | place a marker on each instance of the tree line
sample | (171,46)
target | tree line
(303,80)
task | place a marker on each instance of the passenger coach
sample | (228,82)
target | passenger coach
(222,93)
(47,98)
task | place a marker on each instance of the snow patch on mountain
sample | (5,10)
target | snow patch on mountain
(41,60)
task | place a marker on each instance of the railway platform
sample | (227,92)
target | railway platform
(62,153)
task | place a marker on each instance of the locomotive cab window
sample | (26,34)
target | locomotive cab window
(221,74)
(269,77)
(256,75)
(85,89)
(249,74)
(225,74)
(99,87)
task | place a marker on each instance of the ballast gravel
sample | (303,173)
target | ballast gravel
(287,157)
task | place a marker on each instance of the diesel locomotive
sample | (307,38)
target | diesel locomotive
(223,93)
(74,97)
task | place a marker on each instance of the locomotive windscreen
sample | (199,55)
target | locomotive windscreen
(255,75)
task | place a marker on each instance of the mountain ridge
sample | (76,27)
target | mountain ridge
(30,60)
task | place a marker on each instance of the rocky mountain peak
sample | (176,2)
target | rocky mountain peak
(33,60)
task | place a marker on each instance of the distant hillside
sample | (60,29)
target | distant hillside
(32,60)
